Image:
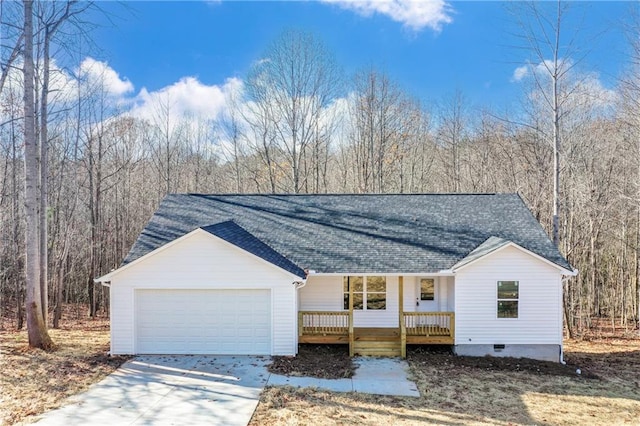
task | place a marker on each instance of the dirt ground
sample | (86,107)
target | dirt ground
(483,391)
(443,356)
(322,361)
(333,362)
(34,381)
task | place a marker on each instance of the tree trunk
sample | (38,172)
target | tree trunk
(556,134)
(37,330)
(44,190)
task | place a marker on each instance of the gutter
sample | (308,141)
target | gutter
(300,284)
(441,273)
(104,283)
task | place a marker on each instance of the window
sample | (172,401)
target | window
(508,295)
(369,293)
(376,293)
(358,292)
(427,289)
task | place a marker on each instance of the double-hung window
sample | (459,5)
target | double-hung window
(508,299)
(369,293)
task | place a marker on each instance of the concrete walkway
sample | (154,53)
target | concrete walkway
(378,376)
(211,390)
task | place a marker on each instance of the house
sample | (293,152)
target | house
(259,274)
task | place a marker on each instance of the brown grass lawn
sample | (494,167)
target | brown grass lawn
(484,392)
(33,381)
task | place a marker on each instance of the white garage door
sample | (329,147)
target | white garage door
(231,322)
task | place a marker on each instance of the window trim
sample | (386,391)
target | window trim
(498,300)
(365,292)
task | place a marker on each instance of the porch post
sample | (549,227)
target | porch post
(403,331)
(350,316)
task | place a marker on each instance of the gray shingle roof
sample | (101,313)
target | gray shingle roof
(352,233)
(489,245)
(238,236)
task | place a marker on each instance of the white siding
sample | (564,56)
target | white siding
(325,293)
(122,319)
(322,294)
(285,319)
(451,294)
(442,293)
(202,261)
(539,310)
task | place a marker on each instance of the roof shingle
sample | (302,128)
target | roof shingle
(352,233)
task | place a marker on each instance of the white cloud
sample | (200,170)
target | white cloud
(97,71)
(188,97)
(592,90)
(541,69)
(413,14)
(520,73)
(579,91)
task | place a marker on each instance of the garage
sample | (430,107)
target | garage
(225,322)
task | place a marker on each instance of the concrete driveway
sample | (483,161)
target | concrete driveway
(170,390)
(208,390)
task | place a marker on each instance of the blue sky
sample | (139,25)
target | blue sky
(155,44)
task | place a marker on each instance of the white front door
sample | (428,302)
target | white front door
(230,322)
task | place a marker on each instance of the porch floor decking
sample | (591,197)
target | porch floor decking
(374,334)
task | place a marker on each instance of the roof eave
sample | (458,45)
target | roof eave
(564,271)
(107,278)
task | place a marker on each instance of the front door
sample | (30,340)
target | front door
(426,295)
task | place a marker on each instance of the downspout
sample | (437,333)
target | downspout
(563,281)
(298,285)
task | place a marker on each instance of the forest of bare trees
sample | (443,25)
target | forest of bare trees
(297,124)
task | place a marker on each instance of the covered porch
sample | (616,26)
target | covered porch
(415,327)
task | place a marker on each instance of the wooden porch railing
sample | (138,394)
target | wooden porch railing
(323,323)
(414,328)
(429,324)
(326,327)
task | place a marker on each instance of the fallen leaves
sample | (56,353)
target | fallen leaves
(34,381)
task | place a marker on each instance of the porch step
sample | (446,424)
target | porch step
(386,348)
(374,338)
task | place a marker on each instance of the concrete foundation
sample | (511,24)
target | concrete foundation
(540,352)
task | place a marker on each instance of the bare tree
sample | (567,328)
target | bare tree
(630,116)
(554,54)
(51,17)
(230,126)
(11,271)
(452,135)
(378,112)
(12,35)
(293,85)
(37,329)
